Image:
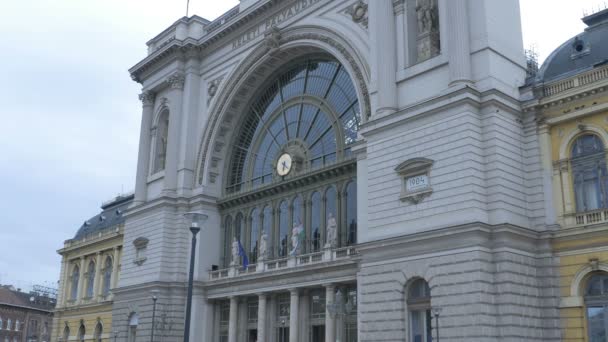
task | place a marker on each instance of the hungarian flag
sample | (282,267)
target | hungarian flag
(243,254)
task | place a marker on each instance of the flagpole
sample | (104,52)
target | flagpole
(187,7)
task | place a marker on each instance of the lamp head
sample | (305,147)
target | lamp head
(196,219)
(437,311)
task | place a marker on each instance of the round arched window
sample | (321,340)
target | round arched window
(296,134)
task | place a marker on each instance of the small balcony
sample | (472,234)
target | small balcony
(591,217)
(263,266)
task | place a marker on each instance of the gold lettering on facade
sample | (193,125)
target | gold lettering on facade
(274,20)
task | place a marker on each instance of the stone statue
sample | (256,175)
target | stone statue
(236,257)
(332,231)
(426,13)
(297,235)
(263,246)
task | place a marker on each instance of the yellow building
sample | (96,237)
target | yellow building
(89,271)
(571,107)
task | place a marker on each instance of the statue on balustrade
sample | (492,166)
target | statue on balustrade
(332,231)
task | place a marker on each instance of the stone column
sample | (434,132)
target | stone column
(115,267)
(262,317)
(143,158)
(189,124)
(459,53)
(330,322)
(176,82)
(63,295)
(98,276)
(544,141)
(294,319)
(80,293)
(383,36)
(233,324)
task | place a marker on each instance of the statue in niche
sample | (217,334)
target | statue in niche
(236,257)
(427,40)
(263,246)
(332,231)
(427,14)
(297,236)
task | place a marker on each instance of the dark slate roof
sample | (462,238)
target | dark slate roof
(110,217)
(14,297)
(581,53)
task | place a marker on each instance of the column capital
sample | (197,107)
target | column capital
(329,286)
(294,291)
(262,294)
(176,81)
(147,98)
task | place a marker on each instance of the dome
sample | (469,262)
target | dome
(111,216)
(583,52)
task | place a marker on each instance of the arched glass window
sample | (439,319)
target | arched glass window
(351,213)
(74,283)
(162,134)
(419,308)
(133,322)
(283,229)
(107,276)
(66,333)
(331,211)
(589,173)
(596,301)
(238,227)
(315,220)
(81,333)
(267,220)
(9,324)
(17,325)
(227,241)
(312,108)
(98,332)
(90,279)
(254,235)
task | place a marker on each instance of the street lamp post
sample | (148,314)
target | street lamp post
(436,312)
(195,219)
(154,299)
(115,335)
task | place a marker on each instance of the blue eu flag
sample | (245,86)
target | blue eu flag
(243,254)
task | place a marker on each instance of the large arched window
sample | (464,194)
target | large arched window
(283,237)
(254,235)
(161,136)
(292,148)
(98,332)
(107,276)
(90,279)
(351,213)
(74,283)
(419,311)
(315,228)
(81,333)
(133,323)
(596,301)
(66,333)
(589,173)
(310,111)
(238,227)
(227,240)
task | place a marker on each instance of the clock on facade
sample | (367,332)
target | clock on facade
(284,164)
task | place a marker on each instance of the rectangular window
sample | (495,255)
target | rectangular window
(252,311)
(597,323)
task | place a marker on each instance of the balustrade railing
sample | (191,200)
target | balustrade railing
(271,265)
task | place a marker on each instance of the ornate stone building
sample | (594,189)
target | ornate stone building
(90,266)
(367,171)
(570,101)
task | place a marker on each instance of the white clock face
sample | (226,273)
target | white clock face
(284,164)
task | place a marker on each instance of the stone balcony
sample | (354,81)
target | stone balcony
(587,218)
(290,263)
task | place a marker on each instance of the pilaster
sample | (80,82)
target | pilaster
(176,94)
(459,44)
(383,37)
(143,158)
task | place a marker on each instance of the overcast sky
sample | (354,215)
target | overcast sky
(70,113)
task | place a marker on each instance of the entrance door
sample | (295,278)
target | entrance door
(253,335)
(283,335)
(318,333)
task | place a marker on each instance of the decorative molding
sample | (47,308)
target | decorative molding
(415,170)
(213,88)
(176,81)
(220,108)
(272,39)
(147,98)
(358,13)
(141,244)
